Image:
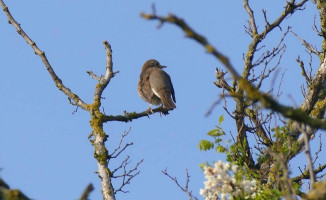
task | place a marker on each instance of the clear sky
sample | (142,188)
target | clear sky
(44,150)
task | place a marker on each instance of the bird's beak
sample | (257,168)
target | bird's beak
(163,66)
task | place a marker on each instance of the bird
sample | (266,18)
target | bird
(155,85)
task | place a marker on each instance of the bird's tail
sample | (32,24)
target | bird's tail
(167,101)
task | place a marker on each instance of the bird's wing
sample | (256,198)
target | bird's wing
(160,80)
(162,87)
(172,91)
(144,88)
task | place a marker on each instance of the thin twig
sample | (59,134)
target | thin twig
(126,175)
(183,188)
(93,75)
(306,44)
(118,150)
(303,70)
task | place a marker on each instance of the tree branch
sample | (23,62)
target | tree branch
(118,150)
(307,152)
(258,37)
(128,117)
(9,194)
(101,153)
(193,35)
(104,80)
(305,174)
(86,192)
(126,175)
(41,54)
(308,46)
(183,188)
(251,17)
(252,93)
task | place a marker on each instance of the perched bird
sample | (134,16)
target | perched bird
(155,86)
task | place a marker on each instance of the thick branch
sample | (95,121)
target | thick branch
(128,117)
(100,137)
(9,194)
(268,102)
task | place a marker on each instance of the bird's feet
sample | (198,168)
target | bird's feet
(149,110)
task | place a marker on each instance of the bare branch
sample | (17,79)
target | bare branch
(319,149)
(315,28)
(86,192)
(303,71)
(128,117)
(307,152)
(226,108)
(275,51)
(93,75)
(118,150)
(259,129)
(57,81)
(305,174)
(251,17)
(183,188)
(104,80)
(126,175)
(280,52)
(265,18)
(289,9)
(308,46)
(97,124)
(100,151)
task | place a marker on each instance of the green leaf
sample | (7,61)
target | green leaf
(205,145)
(221,149)
(213,132)
(220,120)
(218,140)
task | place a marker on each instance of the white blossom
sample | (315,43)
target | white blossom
(234,168)
(221,182)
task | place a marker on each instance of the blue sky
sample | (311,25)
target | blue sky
(44,150)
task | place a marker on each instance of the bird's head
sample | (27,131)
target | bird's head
(152,63)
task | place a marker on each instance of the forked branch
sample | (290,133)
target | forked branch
(183,188)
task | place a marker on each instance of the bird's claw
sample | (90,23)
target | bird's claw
(150,111)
